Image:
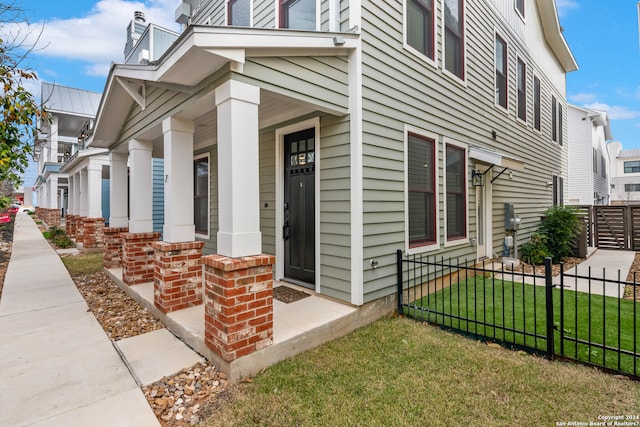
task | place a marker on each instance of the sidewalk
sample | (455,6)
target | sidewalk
(57,366)
(609,261)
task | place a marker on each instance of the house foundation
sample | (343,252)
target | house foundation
(177,281)
(239,308)
(137,257)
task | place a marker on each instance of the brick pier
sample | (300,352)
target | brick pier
(137,257)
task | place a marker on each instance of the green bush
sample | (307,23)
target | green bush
(58,236)
(62,241)
(561,226)
(535,250)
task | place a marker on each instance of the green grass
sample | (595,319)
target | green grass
(399,372)
(84,264)
(521,307)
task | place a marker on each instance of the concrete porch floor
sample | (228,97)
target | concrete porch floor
(297,326)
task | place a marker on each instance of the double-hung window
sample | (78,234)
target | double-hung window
(522,90)
(558,191)
(520,7)
(298,14)
(554,119)
(201,195)
(239,13)
(456,191)
(454,37)
(502,75)
(420,26)
(536,103)
(632,166)
(421,190)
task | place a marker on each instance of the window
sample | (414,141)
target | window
(201,195)
(522,90)
(629,188)
(554,120)
(536,103)
(560,125)
(239,13)
(595,161)
(420,26)
(603,167)
(298,14)
(421,179)
(520,7)
(558,191)
(632,167)
(454,37)
(501,72)
(456,192)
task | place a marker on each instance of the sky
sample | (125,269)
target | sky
(79,39)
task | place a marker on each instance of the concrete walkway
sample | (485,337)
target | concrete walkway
(614,264)
(57,366)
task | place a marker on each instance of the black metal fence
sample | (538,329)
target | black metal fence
(584,317)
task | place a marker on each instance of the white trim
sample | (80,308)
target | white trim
(433,62)
(436,140)
(356,176)
(279,141)
(355,15)
(462,81)
(334,16)
(198,157)
(497,34)
(448,141)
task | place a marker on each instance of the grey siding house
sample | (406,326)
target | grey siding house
(332,133)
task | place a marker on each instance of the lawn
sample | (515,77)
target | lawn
(397,371)
(515,313)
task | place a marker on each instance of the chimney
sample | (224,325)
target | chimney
(134,30)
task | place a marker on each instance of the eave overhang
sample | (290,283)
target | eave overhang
(553,35)
(199,52)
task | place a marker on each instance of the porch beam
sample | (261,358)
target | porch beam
(141,194)
(238,189)
(178,186)
(118,191)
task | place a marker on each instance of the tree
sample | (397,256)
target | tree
(19,111)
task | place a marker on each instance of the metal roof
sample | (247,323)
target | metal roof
(63,99)
(635,152)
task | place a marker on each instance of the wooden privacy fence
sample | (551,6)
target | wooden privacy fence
(612,227)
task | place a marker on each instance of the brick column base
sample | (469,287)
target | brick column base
(239,309)
(79,227)
(51,217)
(137,257)
(93,233)
(70,225)
(177,281)
(113,246)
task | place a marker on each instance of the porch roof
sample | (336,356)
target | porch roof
(496,158)
(198,53)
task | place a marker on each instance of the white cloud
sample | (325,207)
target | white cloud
(615,112)
(99,37)
(582,98)
(565,6)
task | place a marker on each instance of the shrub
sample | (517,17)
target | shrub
(561,226)
(535,250)
(62,241)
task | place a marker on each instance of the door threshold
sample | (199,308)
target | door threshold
(307,286)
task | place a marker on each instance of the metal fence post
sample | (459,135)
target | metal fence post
(399,278)
(549,306)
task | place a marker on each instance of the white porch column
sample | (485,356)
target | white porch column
(94,187)
(53,191)
(178,186)
(71,197)
(238,193)
(83,196)
(141,194)
(76,193)
(118,192)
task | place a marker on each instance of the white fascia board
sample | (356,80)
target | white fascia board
(553,34)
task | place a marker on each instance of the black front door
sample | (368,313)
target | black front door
(299,207)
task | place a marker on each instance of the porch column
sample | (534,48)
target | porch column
(53,192)
(84,201)
(118,191)
(94,186)
(238,193)
(72,196)
(141,194)
(178,186)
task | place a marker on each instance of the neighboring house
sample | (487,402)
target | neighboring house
(71,113)
(330,134)
(625,174)
(589,175)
